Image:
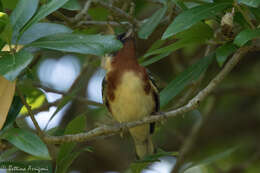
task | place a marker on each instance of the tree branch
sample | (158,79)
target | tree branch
(192,104)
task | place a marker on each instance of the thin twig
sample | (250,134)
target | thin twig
(83,12)
(119,12)
(38,129)
(246,17)
(191,105)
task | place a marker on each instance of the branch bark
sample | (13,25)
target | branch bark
(191,105)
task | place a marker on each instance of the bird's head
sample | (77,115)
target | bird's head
(126,52)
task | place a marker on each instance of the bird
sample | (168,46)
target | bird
(130,94)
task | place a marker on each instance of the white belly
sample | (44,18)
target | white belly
(131,102)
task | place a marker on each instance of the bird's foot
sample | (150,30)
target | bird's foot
(123,128)
(165,118)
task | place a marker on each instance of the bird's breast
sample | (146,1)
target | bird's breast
(131,102)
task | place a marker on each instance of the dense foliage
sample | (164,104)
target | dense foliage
(186,44)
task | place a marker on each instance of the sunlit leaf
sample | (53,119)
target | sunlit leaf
(5,28)
(26,141)
(148,27)
(223,52)
(184,79)
(79,43)
(11,65)
(192,16)
(243,37)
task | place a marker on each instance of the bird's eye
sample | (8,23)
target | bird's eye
(121,37)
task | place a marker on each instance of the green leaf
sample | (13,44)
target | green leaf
(251,3)
(79,43)
(246,35)
(199,33)
(26,141)
(32,166)
(40,30)
(139,165)
(65,155)
(184,79)
(13,111)
(1,6)
(24,10)
(7,154)
(208,160)
(5,28)
(224,51)
(44,11)
(11,65)
(192,16)
(154,59)
(10,4)
(148,27)
(3,21)
(68,160)
(72,5)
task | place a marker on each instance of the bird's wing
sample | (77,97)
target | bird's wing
(104,95)
(155,92)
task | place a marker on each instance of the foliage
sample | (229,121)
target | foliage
(187,42)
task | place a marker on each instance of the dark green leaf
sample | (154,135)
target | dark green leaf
(24,10)
(154,59)
(199,33)
(13,111)
(243,37)
(79,43)
(10,4)
(67,161)
(26,141)
(223,52)
(7,154)
(251,3)
(256,12)
(40,30)
(184,79)
(72,5)
(44,11)
(12,64)
(1,6)
(148,27)
(66,154)
(192,16)
(208,160)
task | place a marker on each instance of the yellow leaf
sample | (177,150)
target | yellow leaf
(7,89)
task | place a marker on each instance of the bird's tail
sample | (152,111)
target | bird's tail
(142,139)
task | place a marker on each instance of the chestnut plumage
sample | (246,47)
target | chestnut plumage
(130,94)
